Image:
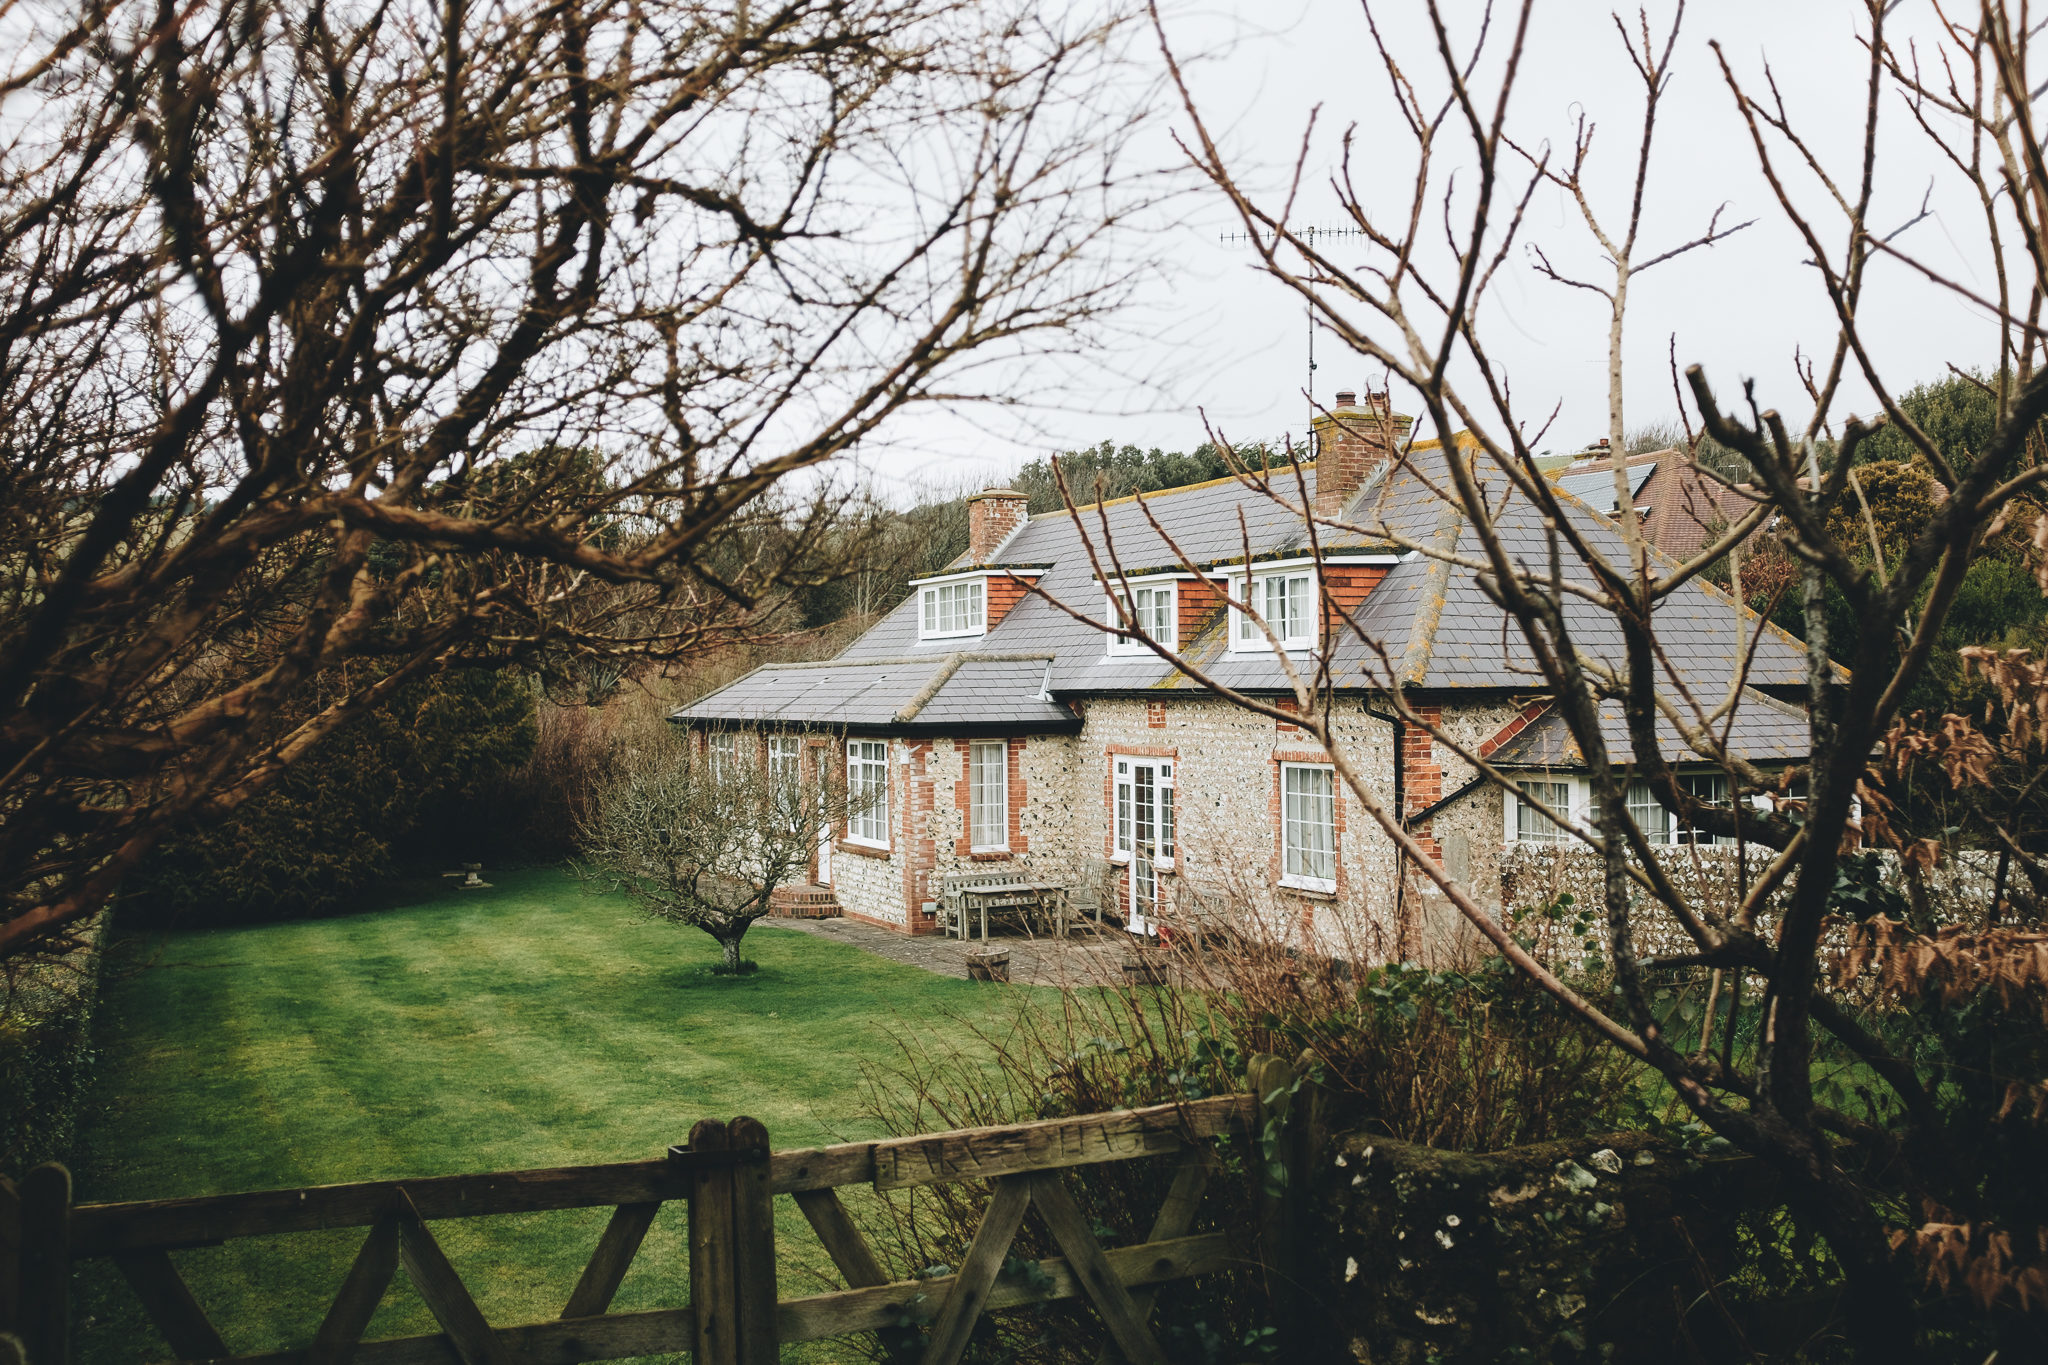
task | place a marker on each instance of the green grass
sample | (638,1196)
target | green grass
(534,1024)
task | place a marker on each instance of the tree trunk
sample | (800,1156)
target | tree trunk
(730,941)
(1877,1300)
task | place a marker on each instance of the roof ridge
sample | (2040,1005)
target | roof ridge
(1305,466)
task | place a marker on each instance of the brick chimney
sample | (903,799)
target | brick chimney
(1352,440)
(991,515)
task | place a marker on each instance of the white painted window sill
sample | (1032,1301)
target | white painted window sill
(1318,885)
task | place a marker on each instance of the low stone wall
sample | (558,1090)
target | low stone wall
(1554,1252)
(46,1054)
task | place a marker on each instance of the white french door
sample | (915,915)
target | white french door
(1144,836)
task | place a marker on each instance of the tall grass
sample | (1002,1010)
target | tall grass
(1472,1059)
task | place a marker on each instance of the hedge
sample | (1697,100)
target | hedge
(46,1054)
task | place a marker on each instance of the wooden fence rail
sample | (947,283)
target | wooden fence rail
(729,1177)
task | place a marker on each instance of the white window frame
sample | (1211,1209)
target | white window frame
(1246,636)
(1574,810)
(867,774)
(1290,822)
(1163,627)
(1123,804)
(974,621)
(1580,812)
(1657,824)
(722,748)
(785,759)
(1716,792)
(988,801)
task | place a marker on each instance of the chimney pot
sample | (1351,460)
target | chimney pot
(1346,398)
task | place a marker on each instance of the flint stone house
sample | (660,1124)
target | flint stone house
(996,732)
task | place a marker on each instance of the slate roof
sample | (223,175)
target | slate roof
(1596,487)
(1430,618)
(1764,731)
(951,692)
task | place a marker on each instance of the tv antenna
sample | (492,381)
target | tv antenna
(1308,235)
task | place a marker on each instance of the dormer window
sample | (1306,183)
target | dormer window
(1286,599)
(1151,608)
(952,609)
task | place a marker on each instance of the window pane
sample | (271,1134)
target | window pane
(867,781)
(1708,787)
(1309,823)
(1123,809)
(1155,613)
(1144,811)
(988,795)
(1649,815)
(1531,823)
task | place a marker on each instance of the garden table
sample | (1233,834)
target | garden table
(1017,895)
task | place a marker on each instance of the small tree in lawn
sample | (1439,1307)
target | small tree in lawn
(705,838)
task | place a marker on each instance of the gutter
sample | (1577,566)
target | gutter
(1429,811)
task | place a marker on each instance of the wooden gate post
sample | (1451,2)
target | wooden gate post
(711,1259)
(45,1307)
(1278,1185)
(10,1260)
(753,1227)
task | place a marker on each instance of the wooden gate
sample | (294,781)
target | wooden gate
(728,1175)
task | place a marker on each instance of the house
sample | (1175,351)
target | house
(997,728)
(1681,509)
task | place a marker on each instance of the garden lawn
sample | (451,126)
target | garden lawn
(536,1023)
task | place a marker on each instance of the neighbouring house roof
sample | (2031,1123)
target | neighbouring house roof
(1429,617)
(1680,506)
(1762,730)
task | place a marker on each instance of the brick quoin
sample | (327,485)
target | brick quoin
(920,849)
(1422,777)
(1155,715)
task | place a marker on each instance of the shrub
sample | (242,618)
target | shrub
(46,1053)
(1113,1048)
(1473,1059)
(404,775)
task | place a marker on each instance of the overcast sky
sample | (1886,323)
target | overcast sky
(1214,337)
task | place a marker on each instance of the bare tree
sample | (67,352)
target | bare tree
(1582,593)
(378,339)
(703,835)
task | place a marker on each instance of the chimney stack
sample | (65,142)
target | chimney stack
(1352,440)
(992,515)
